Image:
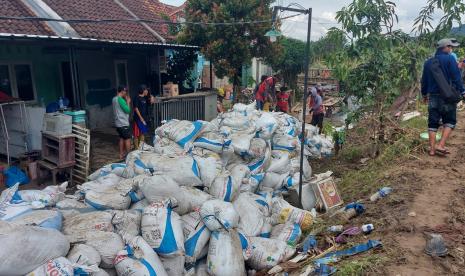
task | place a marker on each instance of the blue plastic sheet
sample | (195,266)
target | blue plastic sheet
(359,208)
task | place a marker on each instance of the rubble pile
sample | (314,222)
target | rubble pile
(205,199)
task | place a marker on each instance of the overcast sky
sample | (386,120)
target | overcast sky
(324,12)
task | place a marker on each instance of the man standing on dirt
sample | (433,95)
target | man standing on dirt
(438,109)
(121,109)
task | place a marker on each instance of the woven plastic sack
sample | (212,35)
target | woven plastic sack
(225,257)
(218,214)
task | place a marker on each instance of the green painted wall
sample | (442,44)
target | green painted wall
(45,67)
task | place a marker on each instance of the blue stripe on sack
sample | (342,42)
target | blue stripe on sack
(259,176)
(55,222)
(265,235)
(278,147)
(262,202)
(294,234)
(256,165)
(117,165)
(139,163)
(289,181)
(168,244)
(244,241)
(195,168)
(206,141)
(191,243)
(149,267)
(197,127)
(80,272)
(129,250)
(227,143)
(134,197)
(227,196)
(96,205)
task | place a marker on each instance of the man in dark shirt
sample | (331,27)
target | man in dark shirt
(438,109)
(140,115)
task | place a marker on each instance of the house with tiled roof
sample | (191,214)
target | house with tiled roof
(84,50)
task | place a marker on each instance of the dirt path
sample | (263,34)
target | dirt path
(439,205)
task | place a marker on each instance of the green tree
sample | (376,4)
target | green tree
(453,11)
(229,46)
(179,67)
(291,60)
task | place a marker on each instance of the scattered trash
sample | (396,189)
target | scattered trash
(383,192)
(336,228)
(436,246)
(410,115)
(367,228)
(15,175)
(425,136)
(352,231)
(412,214)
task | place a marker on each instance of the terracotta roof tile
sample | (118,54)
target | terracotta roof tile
(102,9)
(16,8)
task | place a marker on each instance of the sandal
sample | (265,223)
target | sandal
(443,151)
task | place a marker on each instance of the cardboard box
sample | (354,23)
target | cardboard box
(170,90)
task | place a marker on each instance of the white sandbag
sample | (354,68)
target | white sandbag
(127,223)
(257,148)
(163,145)
(84,255)
(7,195)
(183,169)
(174,265)
(131,185)
(77,227)
(284,142)
(70,203)
(235,120)
(182,132)
(56,267)
(24,248)
(273,180)
(108,244)
(288,232)
(43,218)
(284,212)
(307,169)
(162,229)
(159,187)
(210,166)
(265,232)
(138,258)
(251,185)
(266,125)
(252,219)
(257,166)
(100,184)
(266,253)
(201,268)
(309,198)
(50,195)
(225,254)
(280,162)
(196,235)
(9,211)
(218,214)
(212,141)
(115,168)
(244,108)
(139,206)
(240,141)
(287,124)
(224,187)
(111,198)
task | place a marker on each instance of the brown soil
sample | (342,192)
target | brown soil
(428,197)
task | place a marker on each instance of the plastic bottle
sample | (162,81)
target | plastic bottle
(381,193)
(336,228)
(367,228)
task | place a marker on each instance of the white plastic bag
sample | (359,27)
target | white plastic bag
(24,248)
(50,195)
(107,244)
(225,254)
(284,212)
(108,199)
(224,187)
(84,255)
(252,218)
(210,167)
(288,232)
(164,145)
(257,148)
(127,223)
(182,132)
(279,162)
(273,180)
(240,141)
(284,142)
(295,167)
(174,265)
(162,229)
(138,259)
(218,214)
(266,125)
(266,253)
(212,141)
(77,227)
(56,267)
(43,218)
(196,235)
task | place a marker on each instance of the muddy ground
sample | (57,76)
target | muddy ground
(428,197)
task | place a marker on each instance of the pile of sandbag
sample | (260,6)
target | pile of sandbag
(207,197)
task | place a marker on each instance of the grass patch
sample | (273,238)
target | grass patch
(360,266)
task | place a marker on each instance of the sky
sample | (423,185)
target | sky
(324,12)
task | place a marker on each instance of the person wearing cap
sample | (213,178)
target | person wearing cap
(121,108)
(438,109)
(141,116)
